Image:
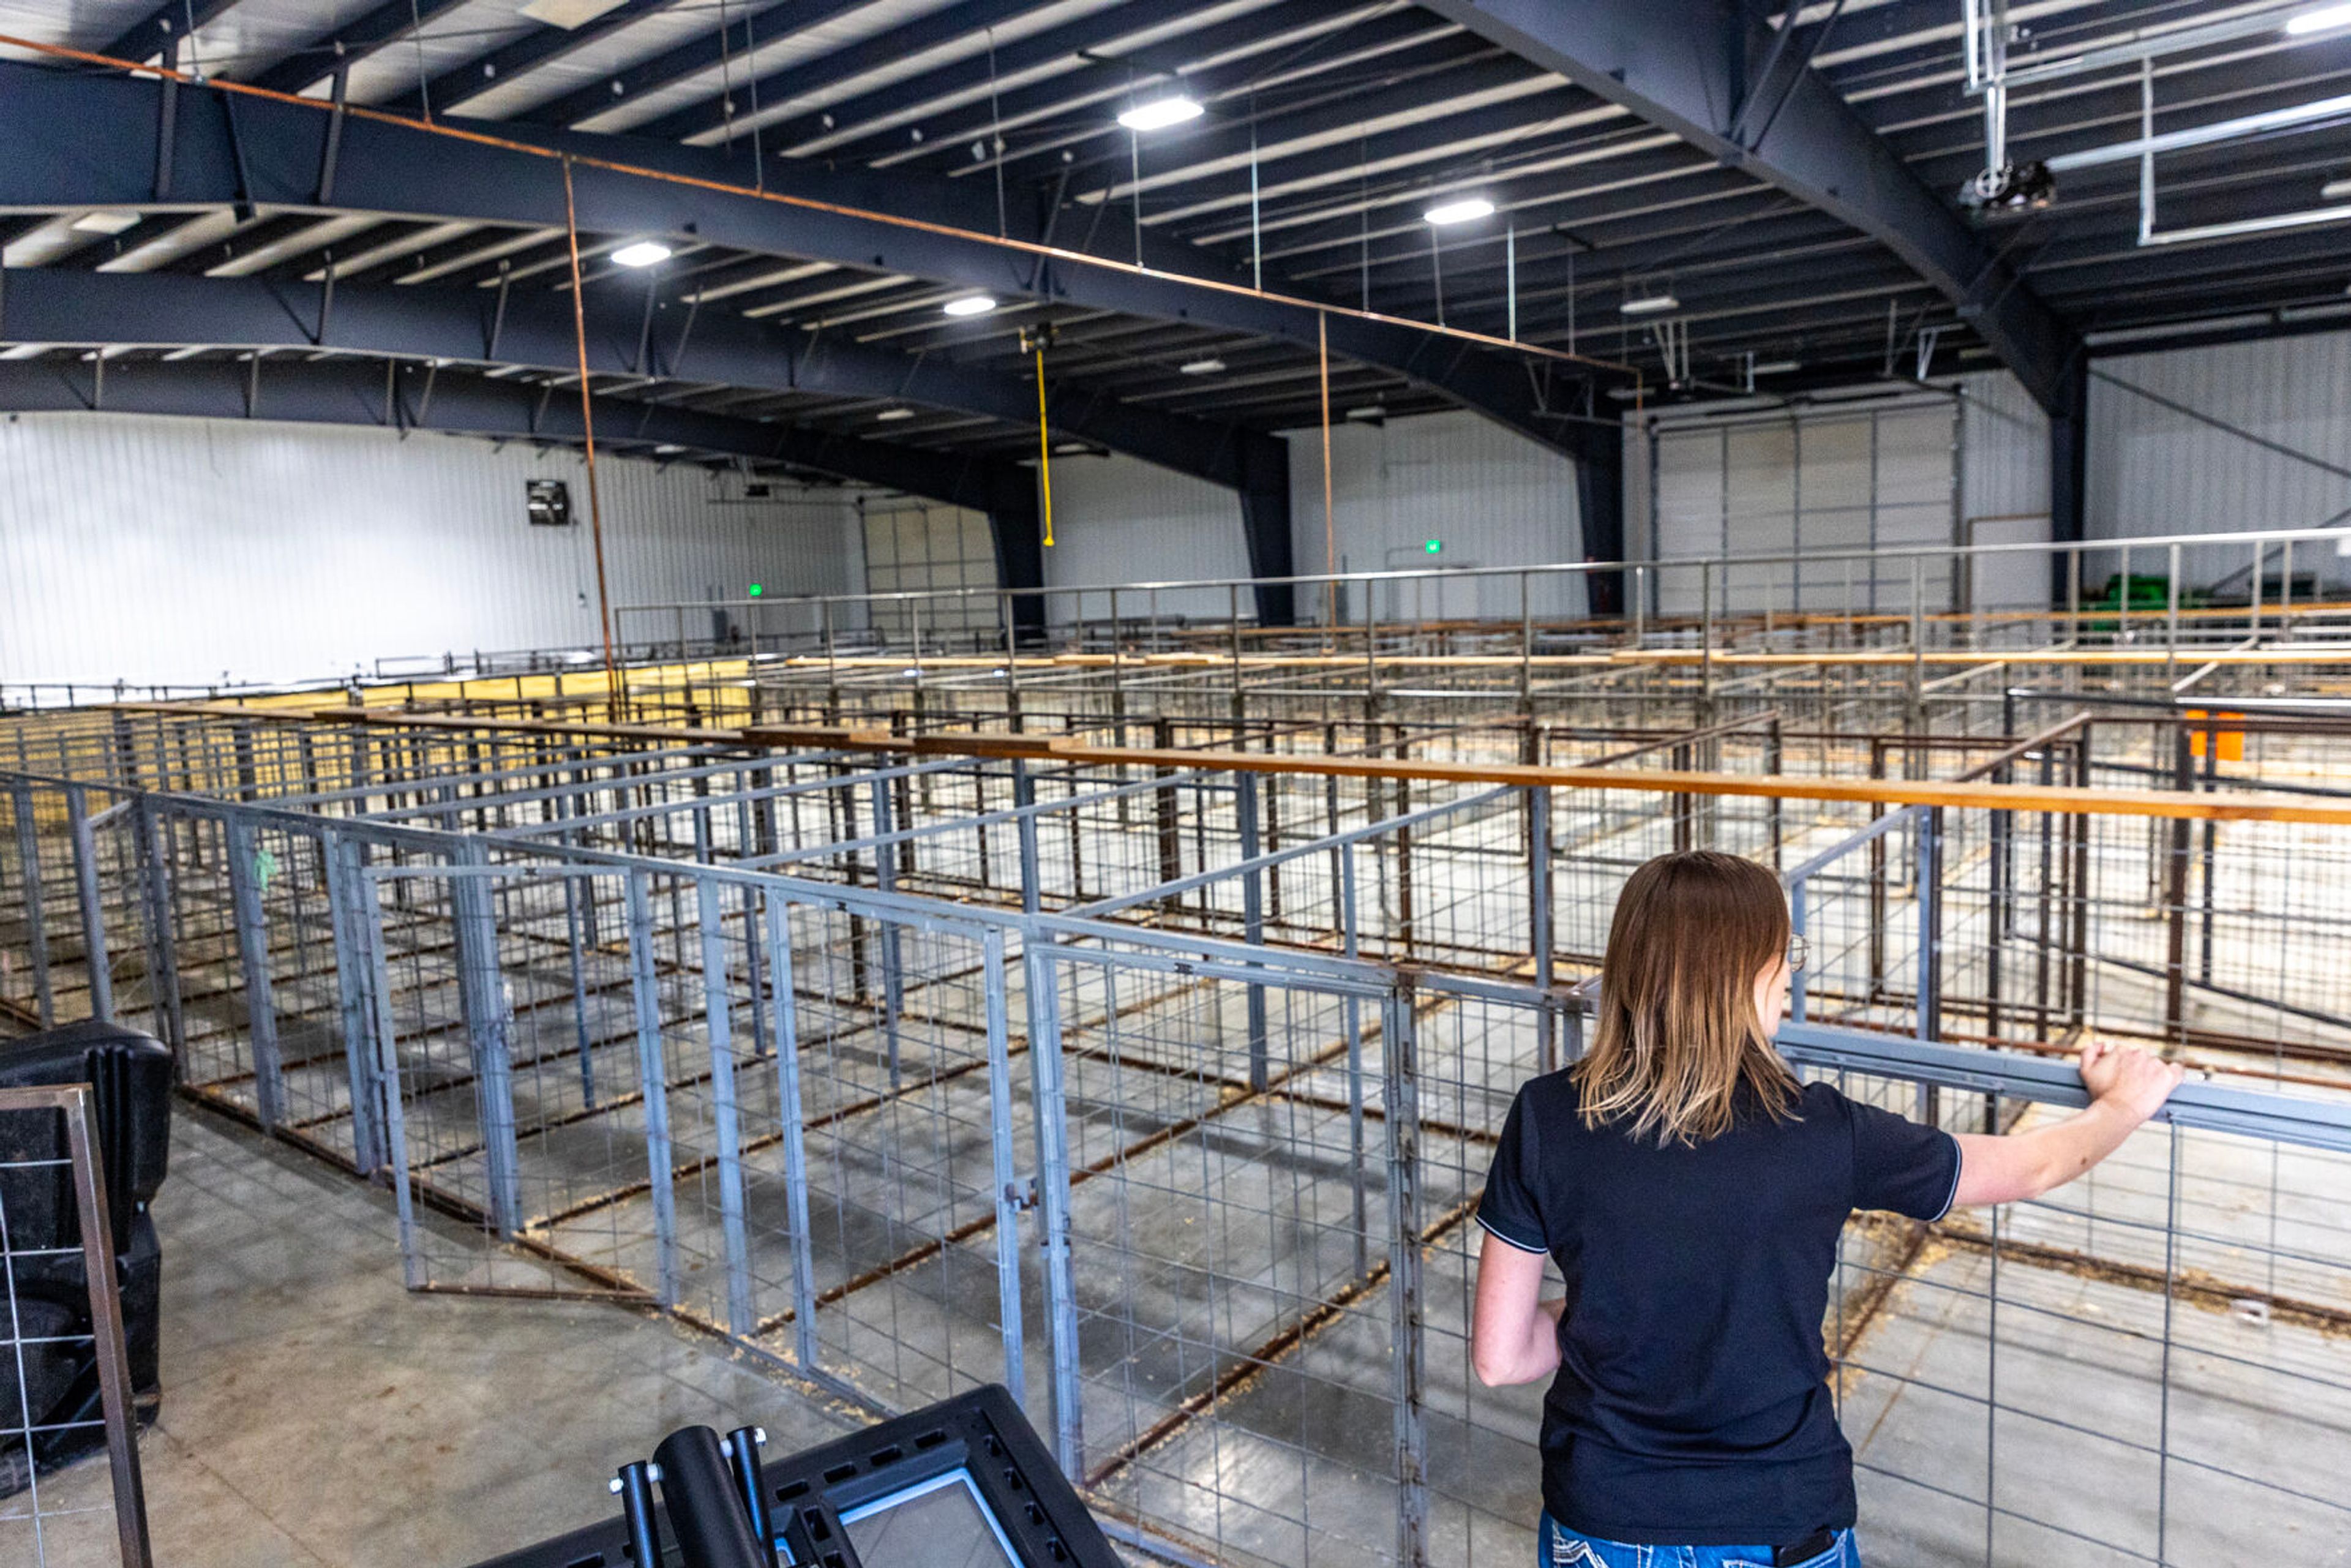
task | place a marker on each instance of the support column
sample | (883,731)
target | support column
(1016,525)
(1265,526)
(1600,506)
(2069,468)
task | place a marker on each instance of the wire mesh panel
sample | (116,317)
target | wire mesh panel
(65,1381)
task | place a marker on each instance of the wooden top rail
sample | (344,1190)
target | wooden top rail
(2218,807)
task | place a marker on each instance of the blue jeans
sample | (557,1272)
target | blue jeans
(1560,1547)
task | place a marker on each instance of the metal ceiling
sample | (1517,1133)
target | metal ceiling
(1329,129)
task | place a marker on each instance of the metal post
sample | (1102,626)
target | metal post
(36,935)
(96,961)
(2175,891)
(163,941)
(885,877)
(1930,923)
(113,1358)
(1352,1011)
(1244,804)
(1407,1340)
(489,1030)
(742,1319)
(1007,1188)
(1799,923)
(345,890)
(653,1080)
(253,951)
(1024,797)
(789,1118)
(2172,618)
(1538,909)
(1053,1199)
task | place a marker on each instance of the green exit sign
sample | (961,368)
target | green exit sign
(1434,545)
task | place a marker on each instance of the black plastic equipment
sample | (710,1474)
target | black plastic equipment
(965,1482)
(130,1074)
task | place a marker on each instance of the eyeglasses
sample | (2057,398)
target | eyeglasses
(1800,953)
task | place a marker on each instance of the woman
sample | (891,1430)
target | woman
(1692,1192)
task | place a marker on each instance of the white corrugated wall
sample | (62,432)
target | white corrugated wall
(1119,519)
(1490,497)
(2156,470)
(180,551)
(1861,474)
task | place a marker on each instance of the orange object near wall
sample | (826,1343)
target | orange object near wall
(2231,742)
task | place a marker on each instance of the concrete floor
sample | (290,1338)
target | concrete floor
(317,1414)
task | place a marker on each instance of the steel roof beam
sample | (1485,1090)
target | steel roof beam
(160,29)
(858,125)
(535,330)
(802,77)
(707,52)
(1684,68)
(81,140)
(355,40)
(543,45)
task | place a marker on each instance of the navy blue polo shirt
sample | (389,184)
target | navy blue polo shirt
(1691,1406)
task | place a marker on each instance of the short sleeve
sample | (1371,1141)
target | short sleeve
(1509,1210)
(1901,1165)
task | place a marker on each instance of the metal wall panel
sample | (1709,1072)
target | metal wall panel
(2157,470)
(193,551)
(2005,445)
(1490,499)
(1824,478)
(1118,519)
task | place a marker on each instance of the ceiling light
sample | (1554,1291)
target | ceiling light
(568,14)
(667,448)
(889,413)
(103,222)
(2336,191)
(1160,113)
(1649,305)
(1468,209)
(2320,20)
(1208,367)
(969,305)
(1369,412)
(1777,367)
(644,253)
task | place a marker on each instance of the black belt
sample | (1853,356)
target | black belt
(1803,1551)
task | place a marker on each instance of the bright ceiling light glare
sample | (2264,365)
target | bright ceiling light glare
(1208,367)
(2336,191)
(1368,413)
(1649,305)
(1467,209)
(890,414)
(103,222)
(2325,19)
(1777,367)
(969,305)
(644,253)
(1160,113)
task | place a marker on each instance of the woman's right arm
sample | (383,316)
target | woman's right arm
(2127,1086)
(1513,1332)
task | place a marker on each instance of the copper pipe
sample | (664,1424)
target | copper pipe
(587,428)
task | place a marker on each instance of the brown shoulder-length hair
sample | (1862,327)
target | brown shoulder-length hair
(1678,1035)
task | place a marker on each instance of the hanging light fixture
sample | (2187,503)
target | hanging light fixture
(1464,210)
(1160,113)
(643,253)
